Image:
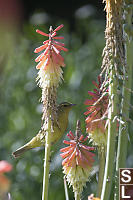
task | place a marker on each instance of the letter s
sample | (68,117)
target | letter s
(126,174)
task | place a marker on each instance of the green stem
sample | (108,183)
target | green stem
(112,127)
(101,171)
(47,163)
(123,129)
(77,196)
(66,190)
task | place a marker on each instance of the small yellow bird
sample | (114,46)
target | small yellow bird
(59,129)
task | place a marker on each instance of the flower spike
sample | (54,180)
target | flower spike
(53,47)
(50,60)
(78,160)
(97,113)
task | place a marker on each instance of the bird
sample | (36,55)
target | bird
(59,127)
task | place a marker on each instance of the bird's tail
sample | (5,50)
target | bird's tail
(34,142)
(20,151)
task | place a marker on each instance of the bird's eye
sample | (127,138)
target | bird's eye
(65,105)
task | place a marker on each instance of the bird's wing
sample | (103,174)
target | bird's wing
(56,124)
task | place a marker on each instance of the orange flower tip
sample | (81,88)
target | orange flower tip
(91,93)
(81,138)
(88,119)
(38,66)
(87,147)
(58,43)
(86,113)
(85,139)
(58,28)
(42,47)
(65,161)
(64,155)
(99,79)
(58,38)
(42,33)
(65,149)
(70,132)
(61,47)
(54,34)
(39,58)
(60,57)
(94,83)
(69,142)
(44,62)
(46,41)
(56,50)
(89,102)
(64,49)
(69,135)
(86,102)
(95,90)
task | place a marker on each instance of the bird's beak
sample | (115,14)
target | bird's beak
(73,104)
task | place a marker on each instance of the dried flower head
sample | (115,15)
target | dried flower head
(114,51)
(78,161)
(97,114)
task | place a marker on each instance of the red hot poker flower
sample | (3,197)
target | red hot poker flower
(97,112)
(52,49)
(77,154)
(50,60)
(77,161)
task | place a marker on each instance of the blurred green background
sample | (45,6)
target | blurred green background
(20,108)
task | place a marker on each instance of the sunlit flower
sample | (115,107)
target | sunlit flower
(50,60)
(91,197)
(97,114)
(78,161)
(4,181)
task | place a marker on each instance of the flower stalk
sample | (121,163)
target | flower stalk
(49,77)
(77,196)
(123,130)
(101,156)
(113,64)
(112,127)
(126,95)
(47,163)
(66,189)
